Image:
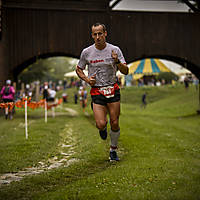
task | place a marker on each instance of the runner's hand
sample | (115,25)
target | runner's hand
(114,56)
(92,80)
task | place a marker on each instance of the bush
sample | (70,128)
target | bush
(167,76)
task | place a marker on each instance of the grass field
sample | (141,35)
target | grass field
(159,150)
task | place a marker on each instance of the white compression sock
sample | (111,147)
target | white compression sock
(114,135)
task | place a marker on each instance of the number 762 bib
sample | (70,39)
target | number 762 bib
(108,91)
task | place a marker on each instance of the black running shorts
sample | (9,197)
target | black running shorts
(102,100)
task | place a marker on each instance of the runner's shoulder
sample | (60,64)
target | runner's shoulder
(112,45)
(88,49)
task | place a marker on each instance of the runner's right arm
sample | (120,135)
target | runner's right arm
(91,81)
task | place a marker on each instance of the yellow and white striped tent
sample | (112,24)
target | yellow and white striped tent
(147,67)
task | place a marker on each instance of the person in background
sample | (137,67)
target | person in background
(196,82)
(65,84)
(45,91)
(83,98)
(80,95)
(75,98)
(28,91)
(186,82)
(8,93)
(51,95)
(144,102)
(65,97)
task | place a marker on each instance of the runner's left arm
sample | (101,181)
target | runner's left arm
(123,68)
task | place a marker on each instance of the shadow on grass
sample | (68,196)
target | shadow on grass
(194,115)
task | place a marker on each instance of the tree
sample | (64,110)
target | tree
(167,76)
(52,68)
(34,72)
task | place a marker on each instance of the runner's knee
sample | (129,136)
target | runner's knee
(101,124)
(114,124)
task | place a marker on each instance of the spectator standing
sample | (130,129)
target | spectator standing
(196,82)
(65,97)
(8,93)
(75,98)
(51,95)
(83,98)
(186,82)
(45,91)
(144,102)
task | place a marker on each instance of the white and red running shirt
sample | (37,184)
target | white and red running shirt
(101,63)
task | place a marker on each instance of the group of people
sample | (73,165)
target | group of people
(8,95)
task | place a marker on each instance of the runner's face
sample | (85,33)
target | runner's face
(99,35)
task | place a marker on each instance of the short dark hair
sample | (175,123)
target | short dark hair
(100,24)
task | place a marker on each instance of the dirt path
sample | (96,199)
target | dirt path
(67,150)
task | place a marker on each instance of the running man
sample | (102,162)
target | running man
(103,60)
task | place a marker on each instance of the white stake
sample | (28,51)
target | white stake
(45,106)
(53,112)
(26,124)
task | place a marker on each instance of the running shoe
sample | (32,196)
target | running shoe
(113,156)
(103,133)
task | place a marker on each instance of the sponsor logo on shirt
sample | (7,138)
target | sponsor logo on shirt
(96,61)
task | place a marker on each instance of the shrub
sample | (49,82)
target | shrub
(167,76)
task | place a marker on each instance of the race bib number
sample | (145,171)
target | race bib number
(108,91)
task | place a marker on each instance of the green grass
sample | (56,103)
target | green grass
(16,151)
(159,149)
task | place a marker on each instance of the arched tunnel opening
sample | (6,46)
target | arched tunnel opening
(52,67)
(39,70)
